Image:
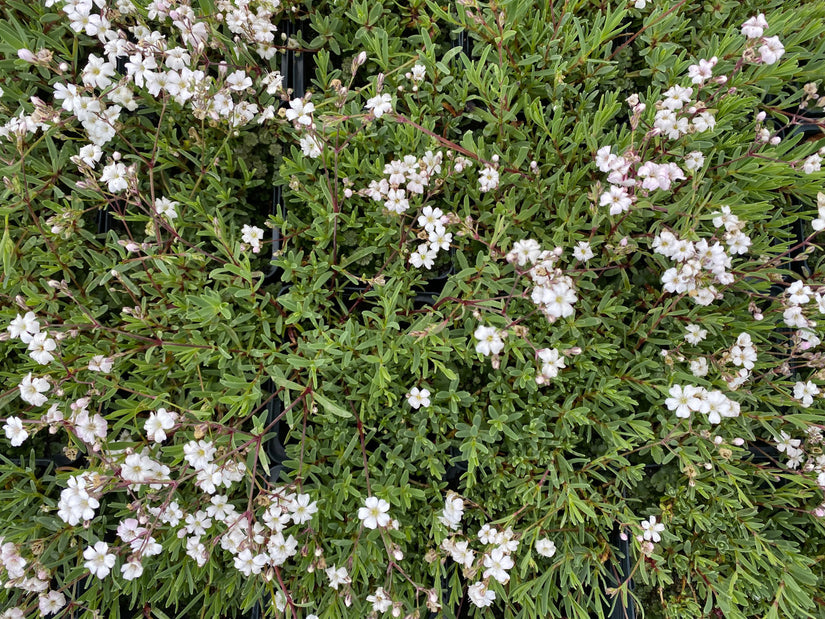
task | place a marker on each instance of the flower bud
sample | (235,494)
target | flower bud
(27,55)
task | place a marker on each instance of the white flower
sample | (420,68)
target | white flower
(380,104)
(40,347)
(683,400)
(32,389)
(418,73)
(116,175)
(51,602)
(695,334)
(804,392)
(487,179)
(497,564)
(337,576)
(423,256)
(252,235)
(754,27)
(545,547)
(24,327)
(617,198)
(440,239)
(582,251)
(158,423)
(166,208)
(694,160)
(652,529)
(487,534)
(280,548)
(524,252)
(381,601)
(699,367)
(551,362)
(311,146)
(198,454)
(676,97)
(786,443)
(90,154)
(700,73)
(99,363)
(452,512)
(300,112)
(374,513)
(489,340)
(771,50)
(131,569)
(238,81)
(98,559)
(14,431)
(430,218)
(302,509)
(248,564)
(812,164)
(480,595)
(418,398)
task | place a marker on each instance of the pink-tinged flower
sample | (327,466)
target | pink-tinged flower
(51,602)
(771,50)
(700,73)
(754,27)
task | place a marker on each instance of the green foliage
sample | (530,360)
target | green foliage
(348,326)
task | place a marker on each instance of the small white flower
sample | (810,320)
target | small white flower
(545,547)
(488,179)
(99,561)
(695,334)
(100,363)
(754,27)
(480,595)
(166,208)
(300,112)
(652,529)
(131,569)
(582,251)
(40,347)
(489,340)
(771,50)
(51,602)
(14,431)
(805,392)
(380,104)
(374,513)
(337,576)
(418,398)
(32,389)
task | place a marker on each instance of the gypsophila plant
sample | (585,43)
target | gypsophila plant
(542,276)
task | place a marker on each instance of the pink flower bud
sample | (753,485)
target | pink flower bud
(27,55)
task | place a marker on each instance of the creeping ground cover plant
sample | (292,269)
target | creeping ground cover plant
(321,309)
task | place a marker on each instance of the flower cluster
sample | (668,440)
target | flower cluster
(687,399)
(771,48)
